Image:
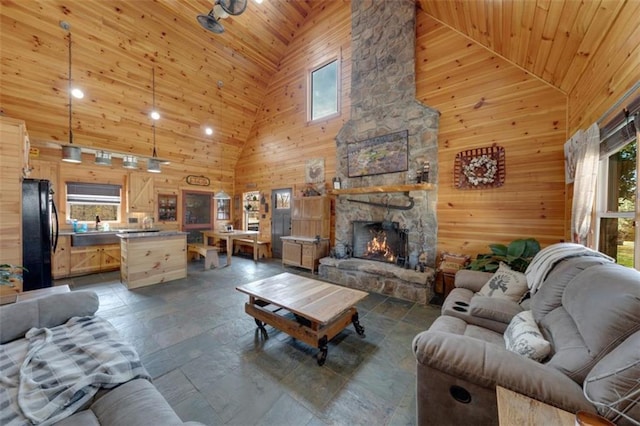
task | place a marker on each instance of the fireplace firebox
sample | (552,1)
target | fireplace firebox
(380,241)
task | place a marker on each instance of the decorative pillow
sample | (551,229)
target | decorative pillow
(452,263)
(505,284)
(523,337)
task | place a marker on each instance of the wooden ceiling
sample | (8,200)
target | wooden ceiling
(116,44)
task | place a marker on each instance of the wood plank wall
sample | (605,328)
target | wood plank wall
(281,139)
(484,100)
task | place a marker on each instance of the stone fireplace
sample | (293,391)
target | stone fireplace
(383,102)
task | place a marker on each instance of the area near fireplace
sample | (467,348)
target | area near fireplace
(383,103)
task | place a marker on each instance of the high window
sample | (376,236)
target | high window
(85,201)
(323,91)
(617,197)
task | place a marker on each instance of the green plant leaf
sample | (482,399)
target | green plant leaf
(498,249)
(516,248)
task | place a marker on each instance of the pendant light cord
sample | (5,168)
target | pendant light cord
(153,83)
(70,97)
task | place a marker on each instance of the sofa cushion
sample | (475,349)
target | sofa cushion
(523,337)
(614,379)
(549,295)
(600,309)
(505,284)
(17,318)
(136,402)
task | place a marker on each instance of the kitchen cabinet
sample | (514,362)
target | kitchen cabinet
(140,194)
(167,207)
(311,216)
(61,260)
(93,259)
(310,227)
(14,165)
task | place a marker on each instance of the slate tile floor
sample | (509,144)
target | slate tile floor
(212,365)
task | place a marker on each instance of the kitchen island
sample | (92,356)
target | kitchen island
(149,258)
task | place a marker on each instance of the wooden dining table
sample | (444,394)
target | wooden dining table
(233,235)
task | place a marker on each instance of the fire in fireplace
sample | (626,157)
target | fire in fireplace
(380,241)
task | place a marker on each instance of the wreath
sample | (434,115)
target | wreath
(481,170)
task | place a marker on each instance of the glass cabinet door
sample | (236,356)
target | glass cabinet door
(167,207)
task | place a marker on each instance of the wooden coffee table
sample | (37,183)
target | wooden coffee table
(320,310)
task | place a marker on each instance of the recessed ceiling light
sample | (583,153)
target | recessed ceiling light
(258,1)
(208,131)
(155,115)
(77,93)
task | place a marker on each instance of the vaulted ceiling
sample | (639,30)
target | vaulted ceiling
(205,79)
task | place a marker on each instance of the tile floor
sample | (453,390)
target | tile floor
(212,365)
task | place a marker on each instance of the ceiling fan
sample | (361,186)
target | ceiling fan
(221,10)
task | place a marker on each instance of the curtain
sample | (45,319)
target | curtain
(584,187)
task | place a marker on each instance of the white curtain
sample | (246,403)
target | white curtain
(584,187)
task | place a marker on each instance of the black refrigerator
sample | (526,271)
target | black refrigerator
(39,233)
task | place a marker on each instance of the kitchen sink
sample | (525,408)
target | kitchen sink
(97,238)
(94,238)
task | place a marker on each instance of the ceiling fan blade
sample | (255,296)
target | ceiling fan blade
(210,23)
(233,7)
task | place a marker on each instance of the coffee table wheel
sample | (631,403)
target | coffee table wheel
(260,325)
(322,355)
(356,324)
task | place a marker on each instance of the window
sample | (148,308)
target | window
(617,197)
(85,201)
(323,91)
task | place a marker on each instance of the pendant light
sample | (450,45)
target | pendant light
(70,153)
(153,164)
(130,162)
(221,195)
(103,158)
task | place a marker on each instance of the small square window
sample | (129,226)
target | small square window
(323,91)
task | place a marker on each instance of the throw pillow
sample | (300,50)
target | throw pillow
(505,284)
(523,337)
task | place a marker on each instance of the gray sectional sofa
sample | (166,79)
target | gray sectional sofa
(589,312)
(132,402)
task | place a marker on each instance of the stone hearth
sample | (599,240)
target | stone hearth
(379,277)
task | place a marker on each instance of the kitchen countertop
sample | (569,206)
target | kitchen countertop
(144,234)
(111,231)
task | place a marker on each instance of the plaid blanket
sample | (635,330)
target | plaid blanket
(59,369)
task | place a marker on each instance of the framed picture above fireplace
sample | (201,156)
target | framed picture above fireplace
(379,155)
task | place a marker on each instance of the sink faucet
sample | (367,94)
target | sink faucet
(97,223)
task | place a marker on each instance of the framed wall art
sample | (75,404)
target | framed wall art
(479,168)
(379,155)
(314,170)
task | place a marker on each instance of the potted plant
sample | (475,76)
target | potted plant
(517,255)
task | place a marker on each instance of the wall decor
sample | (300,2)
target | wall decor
(198,180)
(479,168)
(379,155)
(314,170)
